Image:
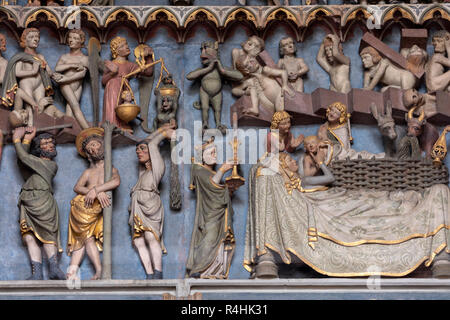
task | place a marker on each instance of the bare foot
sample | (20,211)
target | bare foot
(72,274)
(96,277)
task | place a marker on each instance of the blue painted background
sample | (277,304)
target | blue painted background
(180,59)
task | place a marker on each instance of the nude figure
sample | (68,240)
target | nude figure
(295,67)
(250,48)
(261,85)
(73,66)
(436,75)
(25,116)
(381,70)
(315,155)
(32,75)
(332,59)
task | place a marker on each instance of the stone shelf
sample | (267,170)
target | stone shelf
(329,288)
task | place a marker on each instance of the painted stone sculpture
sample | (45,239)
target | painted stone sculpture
(413,141)
(280,137)
(416,58)
(86,219)
(73,66)
(19,116)
(260,83)
(391,133)
(39,215)
(146,208)
(380,70)
(316,153)
(332,59)
(212,242)
(112,78)
(439,151)
(30,72)
(296,67)
(325,226)
(436,75)
(421,101)
(211,76)
(167,96)
(253,46)
(409,146)
(337,131)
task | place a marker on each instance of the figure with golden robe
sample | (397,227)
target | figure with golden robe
(86,219)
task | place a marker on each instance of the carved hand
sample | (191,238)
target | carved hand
(298,141)
(90,198)
(227,166)
(30,133)
(289,91)
(80,67)
(45,102)
(104,199)
(57,76)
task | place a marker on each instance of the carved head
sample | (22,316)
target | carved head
(328,47)
(281,120)
(209,152)
(167,103)
(247,65)
(76,38)
(168,79)
(337,112)
(126,96)
(415,125)
(287,46)
(30,38)
(412,98)
(386,123)
(370,57)
(2,42)
(18,118)
(288,163)
(44,145)
(119,47)
(142,152)
(92,146)
(210,51)
(416,58)
(438,40)
(311,144)
(253,45)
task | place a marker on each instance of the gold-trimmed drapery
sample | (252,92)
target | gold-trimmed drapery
(346,233)
(84,223)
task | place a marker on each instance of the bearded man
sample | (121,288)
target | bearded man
(86,218)
(39,215)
